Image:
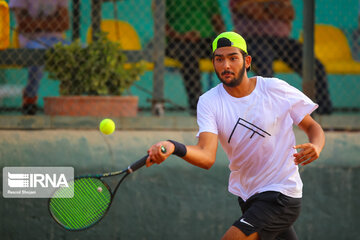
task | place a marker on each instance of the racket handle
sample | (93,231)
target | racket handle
(138,164)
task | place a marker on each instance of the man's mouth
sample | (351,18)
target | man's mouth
(227,73)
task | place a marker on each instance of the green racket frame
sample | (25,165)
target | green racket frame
(70,213)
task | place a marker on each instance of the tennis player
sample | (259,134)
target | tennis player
(253,119)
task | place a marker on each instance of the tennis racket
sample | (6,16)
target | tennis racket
(91,201)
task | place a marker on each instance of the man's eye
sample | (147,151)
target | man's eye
(218,59)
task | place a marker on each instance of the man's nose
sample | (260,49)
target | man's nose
(226,64)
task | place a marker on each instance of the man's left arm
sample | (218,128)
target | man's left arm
(309,152)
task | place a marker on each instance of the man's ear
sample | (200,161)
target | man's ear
(248,61)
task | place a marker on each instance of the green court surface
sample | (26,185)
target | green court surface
(173,200)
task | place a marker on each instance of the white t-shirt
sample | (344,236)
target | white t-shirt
(256,133)
(38,9)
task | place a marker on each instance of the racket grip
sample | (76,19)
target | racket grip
(138,164)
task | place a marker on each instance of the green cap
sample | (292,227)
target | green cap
(229,39)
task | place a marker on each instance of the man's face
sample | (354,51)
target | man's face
(229,65)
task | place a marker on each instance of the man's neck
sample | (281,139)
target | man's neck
(245,88)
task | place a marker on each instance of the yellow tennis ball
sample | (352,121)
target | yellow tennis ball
(107,126)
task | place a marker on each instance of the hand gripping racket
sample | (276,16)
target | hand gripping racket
(91,201)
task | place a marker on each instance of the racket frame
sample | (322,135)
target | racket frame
(104,214)
(130,169)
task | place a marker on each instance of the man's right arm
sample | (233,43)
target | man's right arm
(202,155)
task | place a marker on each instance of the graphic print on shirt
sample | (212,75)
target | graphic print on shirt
(251,127)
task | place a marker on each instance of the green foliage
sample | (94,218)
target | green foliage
(98,69)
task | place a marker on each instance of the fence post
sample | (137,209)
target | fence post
(308,60)
(158,57)
(95,17)
(76,20)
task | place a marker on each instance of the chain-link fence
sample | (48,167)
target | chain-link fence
(173,38)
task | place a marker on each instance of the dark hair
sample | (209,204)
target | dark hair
(243,53)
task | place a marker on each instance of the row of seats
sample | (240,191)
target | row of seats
(124,33)
(331,47)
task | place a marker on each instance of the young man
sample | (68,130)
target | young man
(191,25)
(253,120)
(41,24)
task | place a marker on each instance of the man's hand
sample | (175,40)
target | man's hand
(308,153)
(156,155)
(191,36)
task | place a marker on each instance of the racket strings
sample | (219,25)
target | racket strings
(96,205)
(90,202)
(85,212)
(57,205)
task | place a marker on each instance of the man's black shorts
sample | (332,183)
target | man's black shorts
(270,214)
